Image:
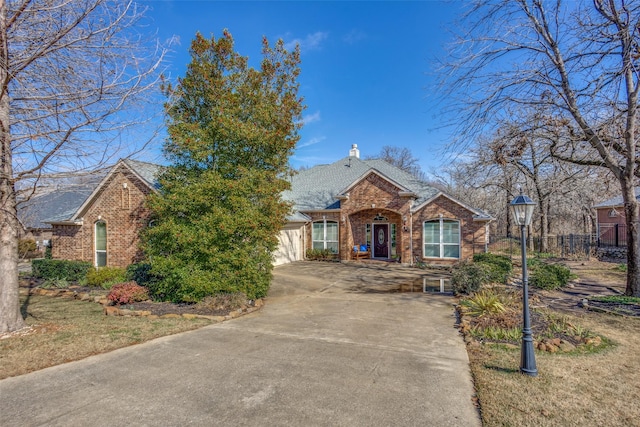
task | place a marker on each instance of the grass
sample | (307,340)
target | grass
(64,330)
(592,386)
(618,299)
(570,389)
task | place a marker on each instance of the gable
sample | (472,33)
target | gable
(375,189)
(118,188)
(376,179)
(322,186)
(452,206)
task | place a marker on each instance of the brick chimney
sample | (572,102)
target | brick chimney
(354,152)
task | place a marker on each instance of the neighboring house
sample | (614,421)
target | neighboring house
(103,228)
(611,219)
(372,203)
(352,202)
(56,202)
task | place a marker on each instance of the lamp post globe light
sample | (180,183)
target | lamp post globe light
(522,209)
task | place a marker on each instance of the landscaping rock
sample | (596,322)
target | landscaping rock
(566,346)
(111,311)
(170,316)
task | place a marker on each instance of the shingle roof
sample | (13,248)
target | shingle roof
(147,171)
(57,205)
(63,203)
(616,201)
(317,188)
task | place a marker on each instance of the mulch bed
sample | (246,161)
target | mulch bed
(156,308)
(162,308)
(615,308)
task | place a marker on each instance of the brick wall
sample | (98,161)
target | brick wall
(66,242)
(604,217)
(472,233)
(120,204)
(370,197)
(374,196)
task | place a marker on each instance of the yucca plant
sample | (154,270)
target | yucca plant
(483,303)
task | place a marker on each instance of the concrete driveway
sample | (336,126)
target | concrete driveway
(336,345)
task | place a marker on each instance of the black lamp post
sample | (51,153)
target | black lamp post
(522,209)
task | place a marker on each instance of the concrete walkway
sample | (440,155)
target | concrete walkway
(334,346)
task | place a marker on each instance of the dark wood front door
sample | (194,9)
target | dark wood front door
(381,240)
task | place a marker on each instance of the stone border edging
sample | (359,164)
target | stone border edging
(112,310)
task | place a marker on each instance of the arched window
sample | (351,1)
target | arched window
(441,238)
(101,244)
(325,235)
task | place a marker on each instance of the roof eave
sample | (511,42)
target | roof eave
(78,223)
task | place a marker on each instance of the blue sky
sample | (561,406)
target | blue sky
(366,72)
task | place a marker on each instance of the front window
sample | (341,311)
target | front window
(441,239)
(325,235)
(101,244)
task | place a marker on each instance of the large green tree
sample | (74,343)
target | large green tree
(232,129)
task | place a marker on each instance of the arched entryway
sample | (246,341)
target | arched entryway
(379,230)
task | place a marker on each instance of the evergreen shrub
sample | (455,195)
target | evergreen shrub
(105,277)
(549,276)
(497,267)
(60,269)
(468,277)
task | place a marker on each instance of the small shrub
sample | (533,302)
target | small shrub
(58,283)
(313,254)
(59,268)
(26,246)
(490,258)
(141,274)
(467,278)
(550,276)
(106,277)
(483,303)
(320,254)
(497,267)
(127,293)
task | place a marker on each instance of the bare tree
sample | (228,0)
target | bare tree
(577,62)
(75,77)
(402,158)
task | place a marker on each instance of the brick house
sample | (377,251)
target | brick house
(367,204)
(379,207)
(55,202)
(103,228)
(612,222)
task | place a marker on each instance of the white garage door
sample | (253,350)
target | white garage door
(289,247)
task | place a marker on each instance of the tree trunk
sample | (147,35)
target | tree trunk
(544,230)
(632,214)
(10,316)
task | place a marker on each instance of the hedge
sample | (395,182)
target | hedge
(60,269)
